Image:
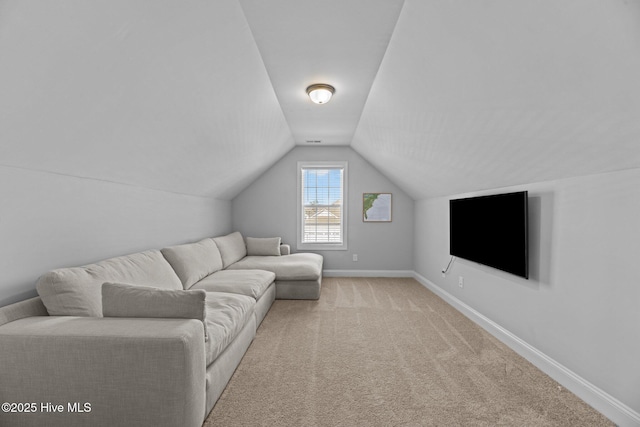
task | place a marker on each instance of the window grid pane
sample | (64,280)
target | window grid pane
(322,205)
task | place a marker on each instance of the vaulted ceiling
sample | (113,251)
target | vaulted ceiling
(201,97)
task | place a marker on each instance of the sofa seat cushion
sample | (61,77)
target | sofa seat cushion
(226,316)
(299,266)
(77,291)
(193,261)
(252,283)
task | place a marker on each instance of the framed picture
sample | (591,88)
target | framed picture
(376,207)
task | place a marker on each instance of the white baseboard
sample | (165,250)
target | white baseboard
(606,404)
(368,273)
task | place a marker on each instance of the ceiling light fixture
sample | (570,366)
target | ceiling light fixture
(320,93)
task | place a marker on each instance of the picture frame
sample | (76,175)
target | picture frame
(377,207)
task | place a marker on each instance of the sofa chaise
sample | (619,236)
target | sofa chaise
(147,339)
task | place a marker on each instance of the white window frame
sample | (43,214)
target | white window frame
(300,211)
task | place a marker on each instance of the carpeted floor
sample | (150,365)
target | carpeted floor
(387,352)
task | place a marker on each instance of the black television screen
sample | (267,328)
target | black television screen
(491,230)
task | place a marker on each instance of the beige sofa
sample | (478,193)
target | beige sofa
(147,339)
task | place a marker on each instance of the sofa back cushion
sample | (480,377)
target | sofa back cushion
(77,291)
(232,248)
(194,261)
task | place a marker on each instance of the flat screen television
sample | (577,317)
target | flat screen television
(491,230)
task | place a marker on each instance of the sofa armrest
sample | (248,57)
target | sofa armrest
(285,249)
(142,372)
(18,310)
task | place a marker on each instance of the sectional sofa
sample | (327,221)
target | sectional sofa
(147,339)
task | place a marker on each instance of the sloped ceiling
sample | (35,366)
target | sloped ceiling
(331,41)
(200,97)
(478,95)
(168,95)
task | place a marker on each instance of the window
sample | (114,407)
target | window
(322,211)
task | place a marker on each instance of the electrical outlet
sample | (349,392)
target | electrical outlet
(461,281)
(355,257)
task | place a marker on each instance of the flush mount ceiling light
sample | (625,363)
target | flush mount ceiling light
(320,93)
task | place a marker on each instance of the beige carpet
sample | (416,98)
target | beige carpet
(387,352)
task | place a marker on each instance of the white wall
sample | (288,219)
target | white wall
(51,220)
(268,208)
(580,306)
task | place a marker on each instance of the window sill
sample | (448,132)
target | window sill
(321,246)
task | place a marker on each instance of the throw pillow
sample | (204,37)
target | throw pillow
(123,300)
(263,246)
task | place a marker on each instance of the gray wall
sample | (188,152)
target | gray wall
(50,221)
(268,208)
(580,306)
